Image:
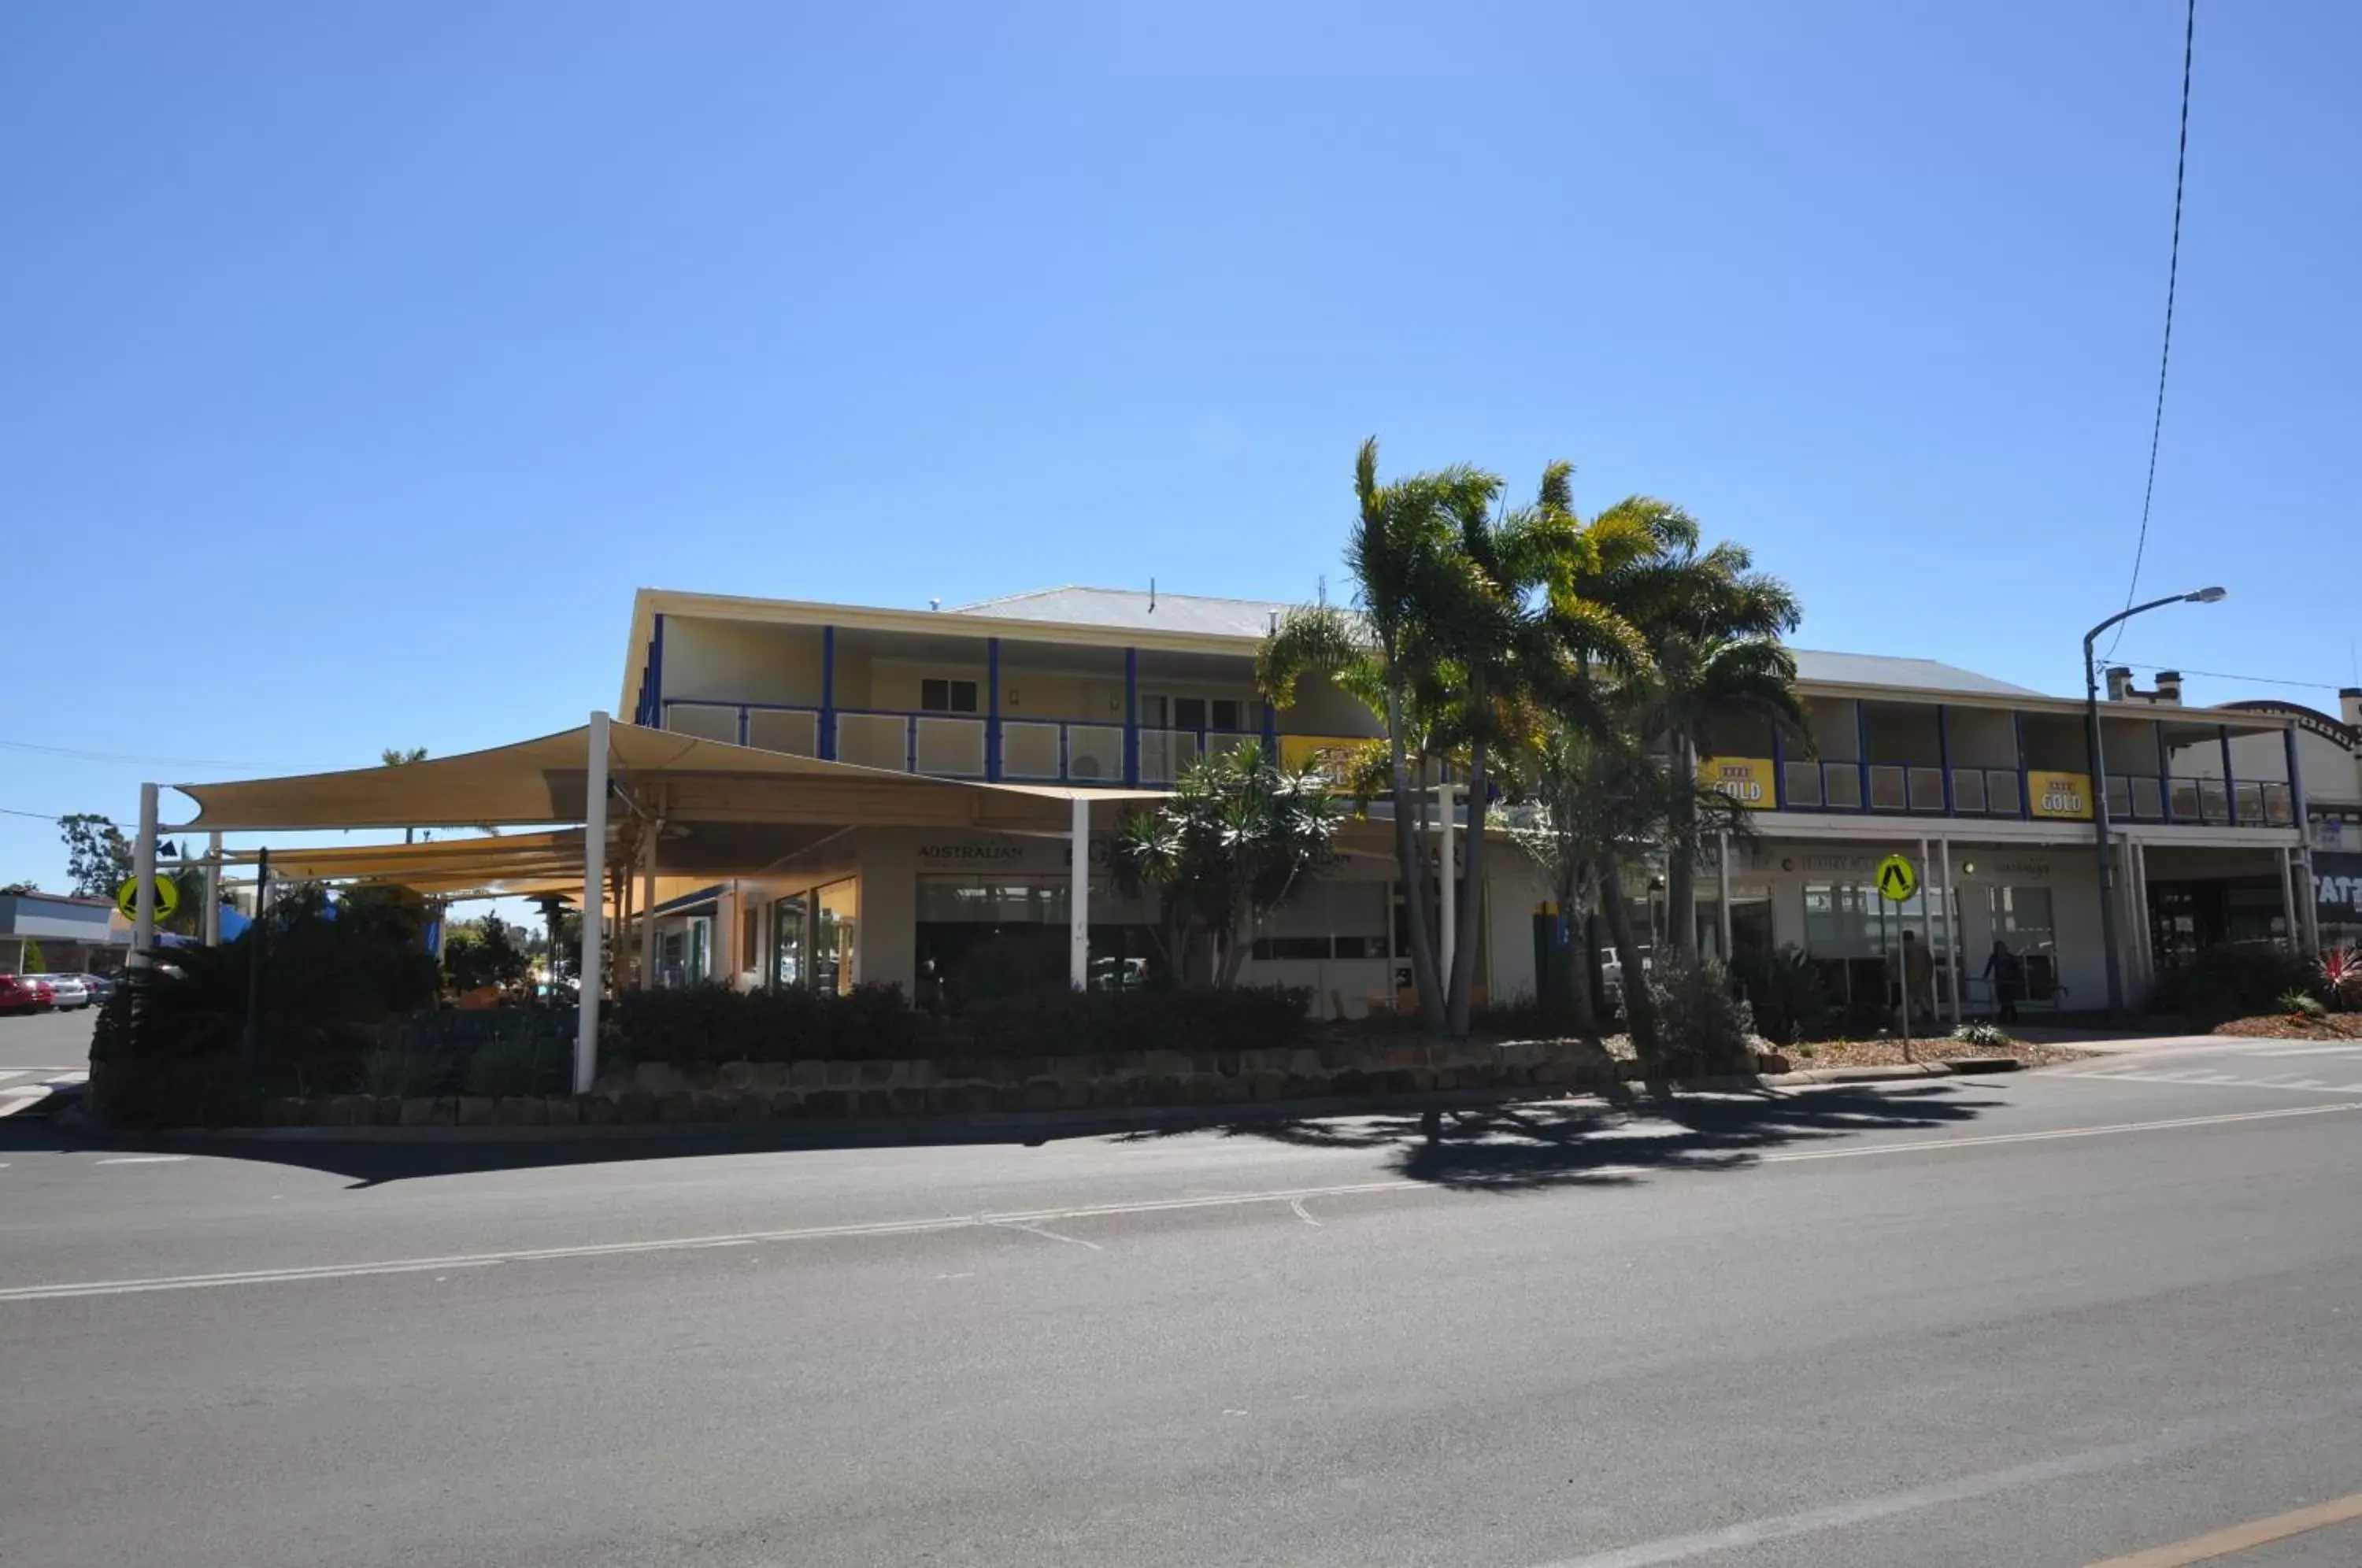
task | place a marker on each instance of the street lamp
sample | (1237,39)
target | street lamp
(2100,783)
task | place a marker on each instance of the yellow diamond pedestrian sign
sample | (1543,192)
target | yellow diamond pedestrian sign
(1896,879)
(167,898)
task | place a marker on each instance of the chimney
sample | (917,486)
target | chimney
(2349,704)
(2120,683)
(2168,687)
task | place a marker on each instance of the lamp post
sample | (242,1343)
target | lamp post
(2099,784)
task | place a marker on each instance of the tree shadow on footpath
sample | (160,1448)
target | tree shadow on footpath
(1532,1145)
(1508,1147)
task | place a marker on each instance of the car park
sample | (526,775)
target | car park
(25,993)
(67,992)
(102,986)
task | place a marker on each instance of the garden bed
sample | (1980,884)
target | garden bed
(1888,1053)
(2295,1026)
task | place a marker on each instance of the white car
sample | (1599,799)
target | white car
(70,991)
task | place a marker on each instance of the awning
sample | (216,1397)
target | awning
(682,778)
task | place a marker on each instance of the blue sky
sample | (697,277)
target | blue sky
(361,361)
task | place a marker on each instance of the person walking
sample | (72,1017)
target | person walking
(2007,973)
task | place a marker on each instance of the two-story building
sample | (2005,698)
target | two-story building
(2329,752)
(1987,787)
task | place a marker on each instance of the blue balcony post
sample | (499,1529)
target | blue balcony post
(2229,789)
(1861,750)
(2296,797)
(992,710)
(2025,794)
(910,742)
(1779,770)
(742,724)
(656,675)
(2164,771)
(1131,718)
(1944,754)
(828,693)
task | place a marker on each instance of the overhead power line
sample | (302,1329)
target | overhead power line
(2226,675)
(81,755)
(2165,355)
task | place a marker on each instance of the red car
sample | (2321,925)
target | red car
(20,994)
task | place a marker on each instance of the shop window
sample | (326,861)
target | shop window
(947,696)
(835,925)
(790,962)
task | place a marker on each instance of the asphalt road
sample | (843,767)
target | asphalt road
(46,1039)
(2046,1319)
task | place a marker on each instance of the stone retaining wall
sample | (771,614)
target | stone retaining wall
(827,1091)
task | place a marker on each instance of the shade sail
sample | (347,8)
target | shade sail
(682,778)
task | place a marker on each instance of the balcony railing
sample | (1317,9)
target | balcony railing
(957,745)
(1912,789)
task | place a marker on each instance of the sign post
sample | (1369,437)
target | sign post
(1897,880)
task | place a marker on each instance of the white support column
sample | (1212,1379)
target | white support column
(1927,933)
(594,902)
(1079,898)
(1955,960)
(2288,899)
(212,892)
(647,975)
(2308,902)
(2143,946)
(1722,881)
(1448,915)
(143,873)
(724,953)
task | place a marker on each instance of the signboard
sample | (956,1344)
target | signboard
(1897,880)
(1746,780)
(2337,887)
(2067,795)
(167,898)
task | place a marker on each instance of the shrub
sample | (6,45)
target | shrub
(162,1056)
(1980,1032)
(402,1071)
(2302,1004)
(1702,1026)
(1790,1001)
(2231,982)
(517,1063)
(2340,975)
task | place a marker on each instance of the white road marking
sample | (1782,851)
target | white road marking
(2312,1051)
(1048,1234)
(1303,1213)
(142,1160)
(1963,1489)
(1033,1219)
(2309,1085)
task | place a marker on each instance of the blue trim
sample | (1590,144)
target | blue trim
(828,693)
(1944,756)
(1131,718)
(1861,753)
(2025,780)
(742,724)
(992,710)
(2163,768)
(655,669)
(910,742)
(2297,803)
(2230,786)
(1779,770)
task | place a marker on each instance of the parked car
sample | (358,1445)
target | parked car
(24,993)
(67,992)
(101,986)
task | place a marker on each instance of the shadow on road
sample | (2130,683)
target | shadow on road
(1519,1146)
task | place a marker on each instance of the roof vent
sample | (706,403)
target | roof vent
(1152,596)
(934,603)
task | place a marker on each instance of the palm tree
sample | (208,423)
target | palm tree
(399,756)
(1399,554)
(1715,626)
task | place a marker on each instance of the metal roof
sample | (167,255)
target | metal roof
(1135,609)
(1904,674)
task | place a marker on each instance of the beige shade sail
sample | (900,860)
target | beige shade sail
(684,777)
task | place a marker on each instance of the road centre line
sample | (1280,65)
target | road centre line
(2242,1537)
(1964,1489)
(1034,1219)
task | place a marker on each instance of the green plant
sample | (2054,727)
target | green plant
(2340,970)
(1981,1032)
(33,959)
(2302,1004)
(1706,1027)
(516,1063)
(1239,836)
(402,1071)
(1790,998)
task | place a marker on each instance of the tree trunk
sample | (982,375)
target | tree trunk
(1639,1016)
(1412,867)
(1471,894)
(1681,853)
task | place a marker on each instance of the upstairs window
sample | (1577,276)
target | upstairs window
(947,696)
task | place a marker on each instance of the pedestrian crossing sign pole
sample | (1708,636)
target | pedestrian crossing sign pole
(1897,880)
